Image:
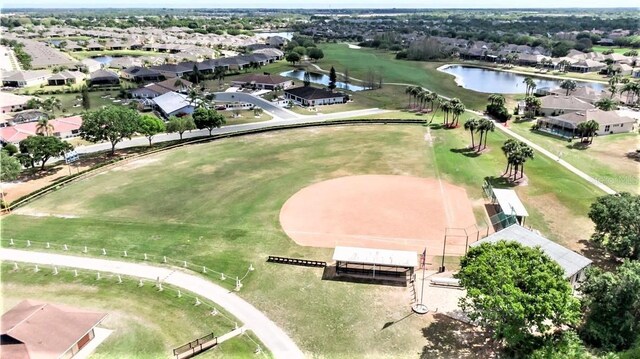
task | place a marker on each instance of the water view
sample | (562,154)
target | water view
(492,81)
(321,79)
(105,60)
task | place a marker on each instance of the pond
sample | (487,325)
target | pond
(320,79)
(264,35)
(105,60)
(493,81)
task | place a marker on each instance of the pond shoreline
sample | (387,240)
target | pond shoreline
(545,76)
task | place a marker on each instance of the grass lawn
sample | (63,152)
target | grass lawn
(134,313)
(619,50)
(360,61)
(246,116)
(217,204)
(604,160)
(71,103)
(115,53)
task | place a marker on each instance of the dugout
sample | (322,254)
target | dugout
(510,204)
(378,264)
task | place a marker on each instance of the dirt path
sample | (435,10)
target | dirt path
(268,332)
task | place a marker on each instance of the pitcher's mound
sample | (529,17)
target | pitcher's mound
(378,211)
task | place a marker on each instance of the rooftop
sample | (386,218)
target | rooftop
(312,93)
(171,102)
(376,256)
(569,260)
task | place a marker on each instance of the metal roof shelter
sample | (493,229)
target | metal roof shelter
(378,264)
(509,202)
(572,262)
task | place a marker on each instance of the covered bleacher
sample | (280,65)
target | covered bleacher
(378,264)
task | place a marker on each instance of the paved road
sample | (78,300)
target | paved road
(276,340)
(267,106)
(142,141)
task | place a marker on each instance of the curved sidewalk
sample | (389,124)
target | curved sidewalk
(274,338)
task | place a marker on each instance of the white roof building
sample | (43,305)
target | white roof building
(173,103)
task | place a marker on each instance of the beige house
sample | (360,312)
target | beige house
(566,125)
(553,105)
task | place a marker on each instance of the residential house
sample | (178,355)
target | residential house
(13,103)
(124,62)
(25,78)
(173,104)
(62,128)
(172,70)
(584,93)
(622,69)
(94,46)
(553,105)
(566,125)
(262,81)
(91,65)
(573,264)
(141,74)
(273,54)
(313,96)
(66,77)
(587,65)
(104,77)
(33,329)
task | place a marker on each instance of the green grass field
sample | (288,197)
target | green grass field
(139,330)
(217,204)
(619,50)
(604,160)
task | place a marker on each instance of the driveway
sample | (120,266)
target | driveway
(258,101)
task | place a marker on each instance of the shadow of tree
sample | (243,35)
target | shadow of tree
(578,146)
(450,338)
(634,155)
(598,255)
(500,182)
(466,151)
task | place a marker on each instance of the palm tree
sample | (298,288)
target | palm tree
(433,99)
(51,104)
(507,148)
(606,104)
(471,125)
(422,98)
(446,108)
(568,85)
(409,91)
(528,81)
(44,127)
(613,82)
(630,89)
(524,153)
(588,130)
(532,104)
(457,110)
(487,126)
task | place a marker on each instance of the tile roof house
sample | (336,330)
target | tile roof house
(11,103)
(573,264)
(587,66)
(64,127)
(556,104)
(566,125)
(38,330)
(584,93)
(91,65)
(104,77)
(141,74)
(172,70)
(313,96)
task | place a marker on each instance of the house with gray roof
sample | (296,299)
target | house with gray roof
(172,70)
(66,77)
(556,104)
(566,125)
(141,74)
(573,264)
(25,78)
(173,104)
(104,77)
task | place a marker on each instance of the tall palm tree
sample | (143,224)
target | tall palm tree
(488,126)
(629,89)
(530,85)
(471,125)
(44,127)
(524,153)
(588,130)
(433,99)
(409,91)
(606,104)
(50,105)
(532,104)
(613,84)
(507,148)
(422,98)
(446,107)
(457,110)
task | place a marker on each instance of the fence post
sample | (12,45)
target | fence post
(66,248)
(55,270)
(119,279)
(36,269)
(48,245)
(104,252)
(238,284)
(140,283)
(222,277)
(198,301)
(11,242)
(164,259)
(204,269)
(160,287)
(179,294)
(184,264)
(15,266)
(85,249)
(251,268)
(98,276)
(28,243)
(145,256)
(75,272)
(125,253)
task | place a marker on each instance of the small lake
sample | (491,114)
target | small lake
(321,79)
(492,81)
(264,35)
(105,60)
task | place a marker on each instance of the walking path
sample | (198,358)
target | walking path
(274,338)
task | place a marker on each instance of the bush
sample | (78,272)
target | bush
(500,113)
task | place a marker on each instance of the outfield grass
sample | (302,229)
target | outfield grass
(217,204)
(146,323)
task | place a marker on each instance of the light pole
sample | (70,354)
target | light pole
(421,308)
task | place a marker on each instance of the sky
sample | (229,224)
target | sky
(314,4)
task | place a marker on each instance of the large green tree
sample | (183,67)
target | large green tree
(617,220)
(180,124)
(208,118)
(150,126)
(36,149)
(516,293)
(9,167)
(293,57)
(612,302)
(112,123)
(315,54)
